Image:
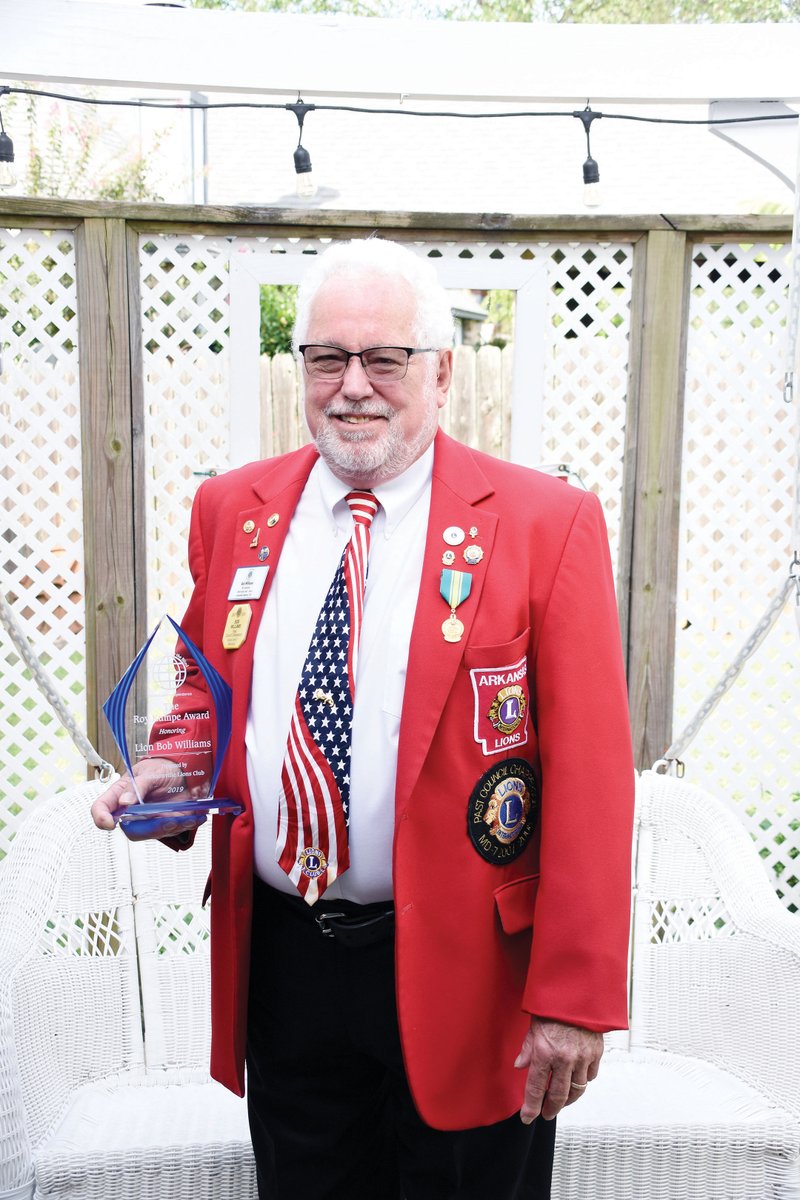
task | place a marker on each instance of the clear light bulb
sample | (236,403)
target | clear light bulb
(7,175)
(305,186)
(304,182)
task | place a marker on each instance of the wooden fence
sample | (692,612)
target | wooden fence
(663,385)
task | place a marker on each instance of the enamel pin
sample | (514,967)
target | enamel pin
(236,627)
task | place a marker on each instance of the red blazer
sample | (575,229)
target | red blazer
(494,921)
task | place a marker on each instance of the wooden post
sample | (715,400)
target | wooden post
(489,396)
(658,332)
(285,411)
(108,457)
(463,420)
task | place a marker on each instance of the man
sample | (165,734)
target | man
(420,979)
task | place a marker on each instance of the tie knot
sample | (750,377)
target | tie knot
(363,506)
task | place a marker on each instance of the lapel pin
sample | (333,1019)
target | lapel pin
(263,554)
(454,535)
(236,626)
(449,557)
(248,527)
(473,555)
(473,531)
(273,520)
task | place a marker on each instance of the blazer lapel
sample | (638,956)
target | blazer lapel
(278,492)
(458,485)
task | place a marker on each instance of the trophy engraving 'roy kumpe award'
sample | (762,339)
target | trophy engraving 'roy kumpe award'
(170,715)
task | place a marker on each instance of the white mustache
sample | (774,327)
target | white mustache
(359,410)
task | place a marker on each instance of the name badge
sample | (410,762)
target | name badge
(248,583)
(501,706)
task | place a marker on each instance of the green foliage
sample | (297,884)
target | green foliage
(499,305)
(353,8)
(601,12)
(278,305)
(65,148)
(629,12)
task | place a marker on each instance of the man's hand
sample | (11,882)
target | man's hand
(561,1060)
(156,779)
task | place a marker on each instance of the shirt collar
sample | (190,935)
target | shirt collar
(396,497)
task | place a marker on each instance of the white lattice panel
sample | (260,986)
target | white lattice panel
(185,298)
(587,377)
(735,544)
(42,516)
(184,282)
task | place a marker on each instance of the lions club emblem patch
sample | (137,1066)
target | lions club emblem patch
(503,810)
(313,862)
(501,706)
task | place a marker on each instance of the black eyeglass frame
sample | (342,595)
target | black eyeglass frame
(359,354)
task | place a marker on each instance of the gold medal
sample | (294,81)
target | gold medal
(236,627)
(453,629)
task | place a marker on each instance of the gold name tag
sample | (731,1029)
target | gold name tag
(236,627)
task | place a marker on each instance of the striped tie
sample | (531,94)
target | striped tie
(313,806)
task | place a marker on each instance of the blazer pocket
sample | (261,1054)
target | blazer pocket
(516,902)
(497,656)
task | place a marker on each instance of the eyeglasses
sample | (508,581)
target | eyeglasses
(381,364)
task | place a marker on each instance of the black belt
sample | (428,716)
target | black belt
(347,923)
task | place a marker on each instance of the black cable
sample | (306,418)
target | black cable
(396,112)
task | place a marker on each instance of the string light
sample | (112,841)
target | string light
(591,171)
(7,175)
(306,186)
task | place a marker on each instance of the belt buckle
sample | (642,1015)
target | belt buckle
(322,920)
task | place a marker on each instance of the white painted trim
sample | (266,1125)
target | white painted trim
(245,313)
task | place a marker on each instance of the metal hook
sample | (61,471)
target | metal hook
(794,574)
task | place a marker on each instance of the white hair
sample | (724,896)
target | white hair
(433,325)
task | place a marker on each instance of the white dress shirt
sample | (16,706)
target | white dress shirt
(320,529)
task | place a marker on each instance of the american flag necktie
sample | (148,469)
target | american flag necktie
(313,806)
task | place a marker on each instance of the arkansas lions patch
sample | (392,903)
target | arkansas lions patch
(501,706)
(503,810)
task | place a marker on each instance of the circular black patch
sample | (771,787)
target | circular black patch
(503,810)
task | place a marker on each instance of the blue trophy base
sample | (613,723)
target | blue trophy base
(147,820)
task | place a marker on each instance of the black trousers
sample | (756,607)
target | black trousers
(331,1115)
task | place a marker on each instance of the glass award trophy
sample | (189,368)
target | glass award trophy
(170,715)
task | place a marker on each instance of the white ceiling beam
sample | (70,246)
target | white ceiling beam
(278,55)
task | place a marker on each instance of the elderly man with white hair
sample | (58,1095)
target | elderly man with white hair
(420,918)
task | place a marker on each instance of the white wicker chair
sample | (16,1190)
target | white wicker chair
(95,932)
(701,1101)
